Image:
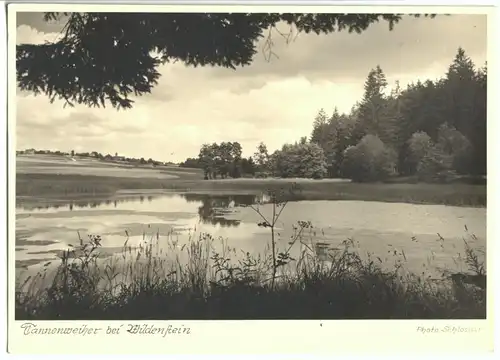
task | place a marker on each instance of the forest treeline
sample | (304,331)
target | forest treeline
(430,130)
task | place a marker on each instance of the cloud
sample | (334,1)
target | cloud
(35,20)
(414,44)
(26,34)
(43,123)
(272,101)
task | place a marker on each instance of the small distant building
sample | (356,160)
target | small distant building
(30,151)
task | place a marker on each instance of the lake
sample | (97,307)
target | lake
(385,230)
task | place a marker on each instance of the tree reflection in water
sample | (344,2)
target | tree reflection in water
(213,209)
(82,203)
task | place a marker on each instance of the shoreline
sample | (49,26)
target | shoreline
(67,188)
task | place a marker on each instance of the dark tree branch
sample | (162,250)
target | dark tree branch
(105,57)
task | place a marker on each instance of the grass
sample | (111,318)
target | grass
(205,279)
(74,186)
(210,285)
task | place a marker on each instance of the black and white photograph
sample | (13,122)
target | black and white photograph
(233,165)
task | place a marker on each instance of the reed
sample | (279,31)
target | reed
(206,279)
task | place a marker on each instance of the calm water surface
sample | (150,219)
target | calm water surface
(376,227)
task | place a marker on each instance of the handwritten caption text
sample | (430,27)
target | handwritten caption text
(30,329)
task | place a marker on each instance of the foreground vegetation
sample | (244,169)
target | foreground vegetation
(211,286)
(207,280)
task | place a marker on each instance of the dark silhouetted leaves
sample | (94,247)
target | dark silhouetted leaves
(107,57)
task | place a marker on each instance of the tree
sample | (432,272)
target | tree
(228,160)
(371,112)
(235,170)
(460,88)
(106,57)
(236,150)
(324,134)
(479,130)
(72,153)
(434,164)
(466,93)
(319,132)
(191,163)
(334,135)
(221,159)
(369,160)
(430,160)
(248,166)
(302,160)
(455,145)
(390,129)
(419,146)
(207,160)
(261,157)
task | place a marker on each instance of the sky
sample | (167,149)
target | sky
(274,101)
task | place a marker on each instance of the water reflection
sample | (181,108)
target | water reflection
(82,203)
(377,227)
(212,209)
